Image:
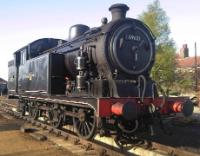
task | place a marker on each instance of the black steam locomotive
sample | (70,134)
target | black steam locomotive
(97,81)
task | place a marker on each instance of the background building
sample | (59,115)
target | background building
(184,51)
(187,64)
(3,87)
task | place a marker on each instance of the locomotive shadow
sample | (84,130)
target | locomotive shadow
(184,133)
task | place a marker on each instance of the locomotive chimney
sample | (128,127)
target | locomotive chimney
(118,11)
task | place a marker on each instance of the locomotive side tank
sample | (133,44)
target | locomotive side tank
(31,72)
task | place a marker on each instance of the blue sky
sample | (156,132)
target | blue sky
(22,21)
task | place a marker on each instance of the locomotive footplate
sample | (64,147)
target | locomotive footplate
(85,102)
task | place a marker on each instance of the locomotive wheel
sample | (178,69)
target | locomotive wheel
(33,111)
(56,118)
(22,107)
(84,123)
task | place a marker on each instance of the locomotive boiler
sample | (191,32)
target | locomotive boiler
(98,81)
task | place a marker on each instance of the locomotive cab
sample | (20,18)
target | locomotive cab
(29,71)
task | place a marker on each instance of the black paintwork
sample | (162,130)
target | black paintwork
(77,30)
(116,53)
(106,57)
(33,72)
(44,74)
(12,77)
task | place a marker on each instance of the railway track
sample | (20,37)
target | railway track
(86,147)
(94,147)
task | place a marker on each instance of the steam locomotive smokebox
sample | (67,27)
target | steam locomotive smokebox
(43,74)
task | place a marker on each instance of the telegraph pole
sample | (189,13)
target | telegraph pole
(195,66)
